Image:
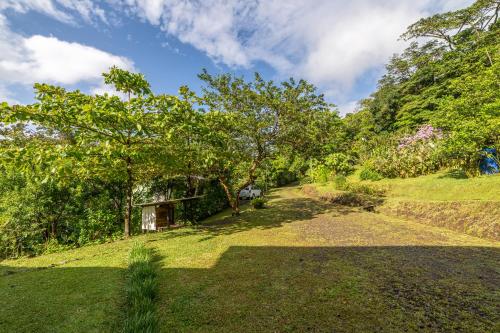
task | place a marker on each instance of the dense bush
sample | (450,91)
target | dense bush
(318,172)
(340,182)
(40,217)
(213,200)
(409,156)
(339,164)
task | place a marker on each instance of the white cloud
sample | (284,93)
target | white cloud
(25,60)
(62,10)
(348,107)
(6,95)
(331,43)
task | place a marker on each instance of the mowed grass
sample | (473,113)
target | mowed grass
(443,186)
(299,265)
(445,199)
(83,292)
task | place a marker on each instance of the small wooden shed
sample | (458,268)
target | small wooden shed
(160,215)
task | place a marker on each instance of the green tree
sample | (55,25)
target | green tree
(250,122)
(119,140)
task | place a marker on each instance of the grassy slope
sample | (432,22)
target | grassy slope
(466,205)
(436,187)
(299,265)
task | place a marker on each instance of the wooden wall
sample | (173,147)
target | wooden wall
(164,215)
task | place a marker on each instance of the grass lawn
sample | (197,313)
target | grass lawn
(442,186)
(300,265)
(470,206)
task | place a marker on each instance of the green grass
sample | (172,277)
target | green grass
(445,199)
(298,265)
(82,292)
(437,187)
(141,291)
(440,187)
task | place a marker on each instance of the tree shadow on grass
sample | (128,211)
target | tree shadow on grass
(60,299)
(277,214)
(274,289)
(57,298)
(455,174)
(337,289)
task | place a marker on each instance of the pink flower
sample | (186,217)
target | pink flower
(424,133)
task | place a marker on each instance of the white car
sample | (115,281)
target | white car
(250,192)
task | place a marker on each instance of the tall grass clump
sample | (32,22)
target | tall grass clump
(141,291)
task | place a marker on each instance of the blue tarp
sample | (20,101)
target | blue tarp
(489,161)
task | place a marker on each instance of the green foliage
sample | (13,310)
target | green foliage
(450,81)
(318,172)
(419,159)
(339,163)
(340,182)
(213,201)
(251,122)
(102,135)
(37,218)
(141,291)
(368,173)
(258,203)
(129,83)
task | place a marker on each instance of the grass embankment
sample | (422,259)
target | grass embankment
(299,265)
(469,205)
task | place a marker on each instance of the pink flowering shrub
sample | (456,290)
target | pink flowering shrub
(425,133)
(411,156)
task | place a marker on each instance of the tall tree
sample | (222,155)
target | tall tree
(118,139)
(248,121)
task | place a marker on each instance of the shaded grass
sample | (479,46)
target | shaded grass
(74,291)
(307,266)
(141,291)
(336,289)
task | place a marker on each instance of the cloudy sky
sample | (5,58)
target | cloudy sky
(339,45)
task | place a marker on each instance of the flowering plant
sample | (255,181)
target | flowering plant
(425,133)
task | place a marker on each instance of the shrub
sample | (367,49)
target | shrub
(342,184)
(410,156)
(319,173)
(367,173)
(365,189)
(141,291)
(339,163)
(258,203)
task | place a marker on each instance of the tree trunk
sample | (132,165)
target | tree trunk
(128,209)
(233,201)
(53,229)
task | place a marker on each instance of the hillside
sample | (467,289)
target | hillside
(298,265)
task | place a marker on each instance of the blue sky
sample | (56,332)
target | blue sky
(340,46)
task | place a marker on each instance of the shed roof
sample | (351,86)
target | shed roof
(157,203)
